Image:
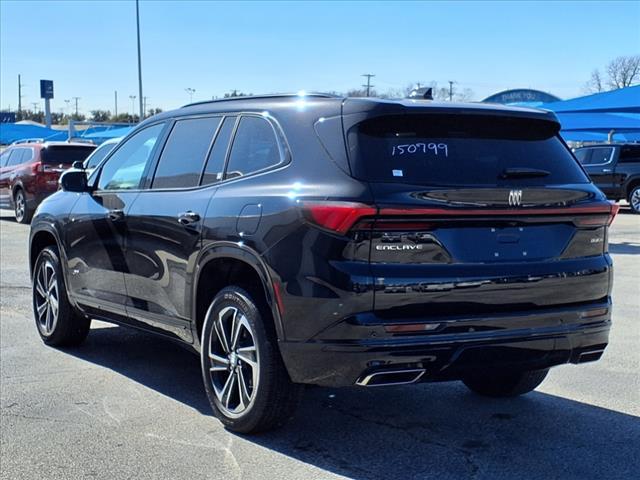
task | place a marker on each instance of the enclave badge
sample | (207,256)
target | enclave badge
(515,198)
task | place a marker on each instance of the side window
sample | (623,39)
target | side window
(124,169)
(601,155)
(27,155)
(185,152)
(4,158)
(15,158)
(630,154)
(255,147)
(215,163)
(583,155)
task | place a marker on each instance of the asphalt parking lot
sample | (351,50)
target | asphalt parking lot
(129,405)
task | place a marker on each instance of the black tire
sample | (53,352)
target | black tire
(505,384)
(271,395)
(634,199)
(68,327)
(21,211)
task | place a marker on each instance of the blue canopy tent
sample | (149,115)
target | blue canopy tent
(103,135)
(604,116)
(625,100)
(11,132)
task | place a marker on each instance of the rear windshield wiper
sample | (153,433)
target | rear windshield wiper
(524,173)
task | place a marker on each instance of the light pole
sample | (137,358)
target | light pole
(133,104)
(139,61)
(68,102)
(76,99)
(190,91)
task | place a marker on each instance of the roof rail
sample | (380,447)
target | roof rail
(270,95)
(28,140)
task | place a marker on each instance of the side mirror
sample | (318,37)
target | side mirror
(78,165)
(74,181)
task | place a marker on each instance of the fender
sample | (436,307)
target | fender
(14,187)
(225,249)
(631,179)
(42,225)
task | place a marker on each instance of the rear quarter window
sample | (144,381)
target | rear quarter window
(458,150)
(630,154)
(254,148)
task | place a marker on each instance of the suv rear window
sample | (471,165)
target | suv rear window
(57,154)
(456,150)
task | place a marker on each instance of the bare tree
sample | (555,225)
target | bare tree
(595,84)
(623,71)
(465,95)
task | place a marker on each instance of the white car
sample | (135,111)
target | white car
(99,153)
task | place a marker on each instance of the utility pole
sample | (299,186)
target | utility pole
(190,91)
(451,90)
(133,104)
(35,107)
(76,99)
(19,95)
(144,104)
(67,101)
(139,61)
(116,103)
(368,86)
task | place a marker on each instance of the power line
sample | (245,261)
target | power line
(368,86)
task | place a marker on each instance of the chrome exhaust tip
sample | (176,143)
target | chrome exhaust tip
(386,378)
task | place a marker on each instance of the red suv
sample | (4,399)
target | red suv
(29,173)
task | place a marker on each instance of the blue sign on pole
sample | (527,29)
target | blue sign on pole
(46,89)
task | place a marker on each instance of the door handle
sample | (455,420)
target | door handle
(607,170)
(116,215)
(188,218)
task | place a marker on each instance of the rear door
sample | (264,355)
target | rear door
(600,167)
(164,226)
(478,215)
(5,168)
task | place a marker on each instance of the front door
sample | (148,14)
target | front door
(96,229)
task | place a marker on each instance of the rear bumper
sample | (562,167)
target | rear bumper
(537,340)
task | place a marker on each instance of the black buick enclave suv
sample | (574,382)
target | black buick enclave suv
(334,241)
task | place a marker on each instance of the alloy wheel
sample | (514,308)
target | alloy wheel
(634,200)
(20,206)
(47,298)
(234,368)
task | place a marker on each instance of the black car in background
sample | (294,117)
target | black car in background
(314,239)
(615,169)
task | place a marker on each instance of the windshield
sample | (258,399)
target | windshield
(458,150)
(57,154)
(98,155)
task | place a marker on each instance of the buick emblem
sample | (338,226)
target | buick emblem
(515,198)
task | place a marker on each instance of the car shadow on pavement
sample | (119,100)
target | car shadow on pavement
(625,248)
(421,431)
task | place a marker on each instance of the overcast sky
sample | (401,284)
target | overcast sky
(88,48)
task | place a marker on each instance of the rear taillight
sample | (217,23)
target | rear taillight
(603,220)
(338,217)
(37,167)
